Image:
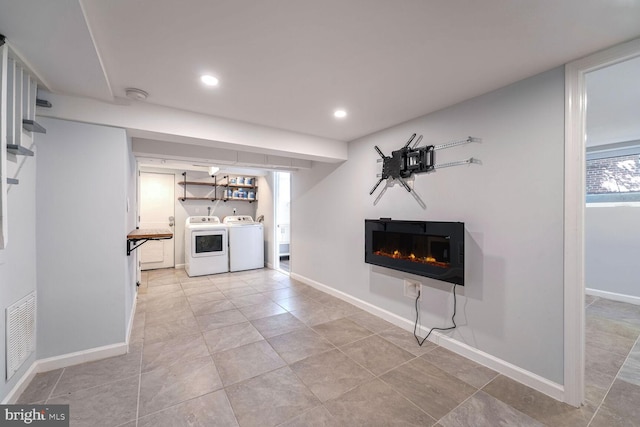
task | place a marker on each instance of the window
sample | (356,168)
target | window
(613,175)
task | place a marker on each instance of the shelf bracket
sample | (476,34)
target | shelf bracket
(184,174)
(133,248)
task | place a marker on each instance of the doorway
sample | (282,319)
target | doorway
(157,206)
(282,207)
(574,218)
(611,231)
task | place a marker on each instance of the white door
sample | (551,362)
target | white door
(157,205)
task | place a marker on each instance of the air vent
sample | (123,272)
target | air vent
(21,332)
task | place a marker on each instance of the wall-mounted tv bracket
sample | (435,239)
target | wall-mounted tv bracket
(411,159)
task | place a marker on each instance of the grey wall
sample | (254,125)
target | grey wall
(512,305)
(612,250)
(17,260)
(82,223)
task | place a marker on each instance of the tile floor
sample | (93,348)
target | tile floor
(259,349)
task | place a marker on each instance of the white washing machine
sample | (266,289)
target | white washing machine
(246,243)
(206,248)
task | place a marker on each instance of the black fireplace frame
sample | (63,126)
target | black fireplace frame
(451,231)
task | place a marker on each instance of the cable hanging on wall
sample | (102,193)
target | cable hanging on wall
(413,159)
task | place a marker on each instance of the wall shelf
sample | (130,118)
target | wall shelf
(19,150)
(228,194)
(238,199)
(144,235)
(215,184)
(185,183)
(206,184)
(239,186)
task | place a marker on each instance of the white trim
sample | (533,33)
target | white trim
(131,319)
(574,208)
(63,361)
(83,356)
(510,370)
(21,385)
(574,202)
(614,204)
(613,296)
(523,376)
(4,226)
(179,266)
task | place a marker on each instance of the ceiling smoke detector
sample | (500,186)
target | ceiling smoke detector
(136,94)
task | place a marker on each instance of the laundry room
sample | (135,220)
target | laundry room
(174,193)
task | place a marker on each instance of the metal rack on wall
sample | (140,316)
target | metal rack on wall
(185,183)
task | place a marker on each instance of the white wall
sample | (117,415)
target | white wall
(612,249)
(18,260)
(83,271)
(512,206)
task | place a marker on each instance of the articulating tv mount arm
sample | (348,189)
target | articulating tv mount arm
(403,163)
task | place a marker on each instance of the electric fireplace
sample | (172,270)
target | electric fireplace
(425,248)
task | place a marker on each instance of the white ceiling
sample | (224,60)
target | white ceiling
(289,63)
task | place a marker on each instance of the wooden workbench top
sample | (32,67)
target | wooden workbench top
(150,233)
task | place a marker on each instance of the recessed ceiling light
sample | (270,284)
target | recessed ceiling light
(209,80)
(340,114)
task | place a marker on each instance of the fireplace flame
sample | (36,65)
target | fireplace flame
(396,254)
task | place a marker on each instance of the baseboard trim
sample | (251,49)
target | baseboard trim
(21,385)
(131,319)
(613,296)
(179,266)
(505,368)
(63,361)
(83,356)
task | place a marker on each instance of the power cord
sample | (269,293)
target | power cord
(415,327)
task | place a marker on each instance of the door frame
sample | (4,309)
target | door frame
(274,233)
(276,198)
(574,210)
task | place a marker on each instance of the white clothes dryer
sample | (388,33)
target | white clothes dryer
(246,243)
(206,248)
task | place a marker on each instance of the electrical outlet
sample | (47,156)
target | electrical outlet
(412,288)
